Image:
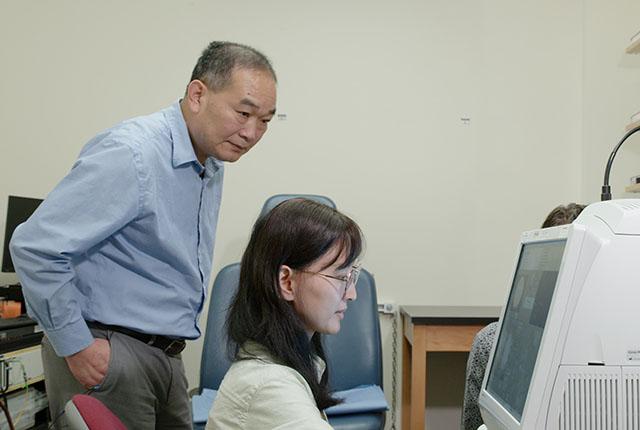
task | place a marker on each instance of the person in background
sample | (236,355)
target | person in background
(115,262)
(297,277)
(484,339)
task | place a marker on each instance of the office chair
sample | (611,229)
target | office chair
(275,200)
(354,354)
(215,355)
(88,413)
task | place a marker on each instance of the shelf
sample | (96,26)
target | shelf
(30,381)
(634,48)
(632,188)
(31,363)
(632,125)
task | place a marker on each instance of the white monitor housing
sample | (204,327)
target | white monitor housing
(567,353)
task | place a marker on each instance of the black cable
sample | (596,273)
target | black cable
(606,189)
(55,420)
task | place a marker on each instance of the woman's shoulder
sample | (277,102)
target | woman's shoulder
(258,382)
(259,392)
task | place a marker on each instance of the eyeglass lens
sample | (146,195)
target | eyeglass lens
(352,278)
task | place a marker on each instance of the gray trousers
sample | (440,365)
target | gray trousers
(144,387)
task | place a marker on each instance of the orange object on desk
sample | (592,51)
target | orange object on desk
(10,309)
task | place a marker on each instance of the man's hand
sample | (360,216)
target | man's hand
(89,366)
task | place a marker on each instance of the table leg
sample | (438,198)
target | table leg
(418,378)
(406,382)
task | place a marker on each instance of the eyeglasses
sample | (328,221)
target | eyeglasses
(347,281)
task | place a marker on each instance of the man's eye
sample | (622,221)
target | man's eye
(244,114)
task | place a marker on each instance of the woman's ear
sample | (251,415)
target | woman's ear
(286,281)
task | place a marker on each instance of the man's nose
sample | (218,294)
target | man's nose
(249,131)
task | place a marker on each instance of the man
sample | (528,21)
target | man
(115,262)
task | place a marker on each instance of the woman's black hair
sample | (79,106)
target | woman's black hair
(295,233)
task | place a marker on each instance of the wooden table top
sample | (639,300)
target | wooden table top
(451,315)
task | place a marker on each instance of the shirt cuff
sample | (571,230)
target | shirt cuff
(71,338)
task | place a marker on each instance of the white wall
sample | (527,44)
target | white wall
(374,93)
(611,92)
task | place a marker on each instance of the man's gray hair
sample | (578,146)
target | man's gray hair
(219,59)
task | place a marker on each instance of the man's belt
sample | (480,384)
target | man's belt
(169,345)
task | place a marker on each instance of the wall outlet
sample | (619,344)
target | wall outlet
(387,308)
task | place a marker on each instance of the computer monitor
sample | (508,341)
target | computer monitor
(523,323)
(19,209)
(567,353)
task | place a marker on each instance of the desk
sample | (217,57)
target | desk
(433,329)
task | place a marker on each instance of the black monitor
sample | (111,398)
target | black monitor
(19,209)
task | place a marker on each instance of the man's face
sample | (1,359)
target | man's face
(228,123)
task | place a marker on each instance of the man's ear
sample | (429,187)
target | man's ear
(286,283)
(196,92)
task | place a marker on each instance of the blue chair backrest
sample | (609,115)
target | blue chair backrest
(215,360)
(274,201)
(215,354)
(354,355)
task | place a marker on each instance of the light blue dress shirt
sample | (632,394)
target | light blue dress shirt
(126,238)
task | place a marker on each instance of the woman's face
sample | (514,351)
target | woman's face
(320,301)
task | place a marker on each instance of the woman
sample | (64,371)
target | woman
(297,276)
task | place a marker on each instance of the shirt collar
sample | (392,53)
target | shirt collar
(183,152)
(251,349)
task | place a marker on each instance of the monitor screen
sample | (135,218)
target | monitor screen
(523,324)
(19,209)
